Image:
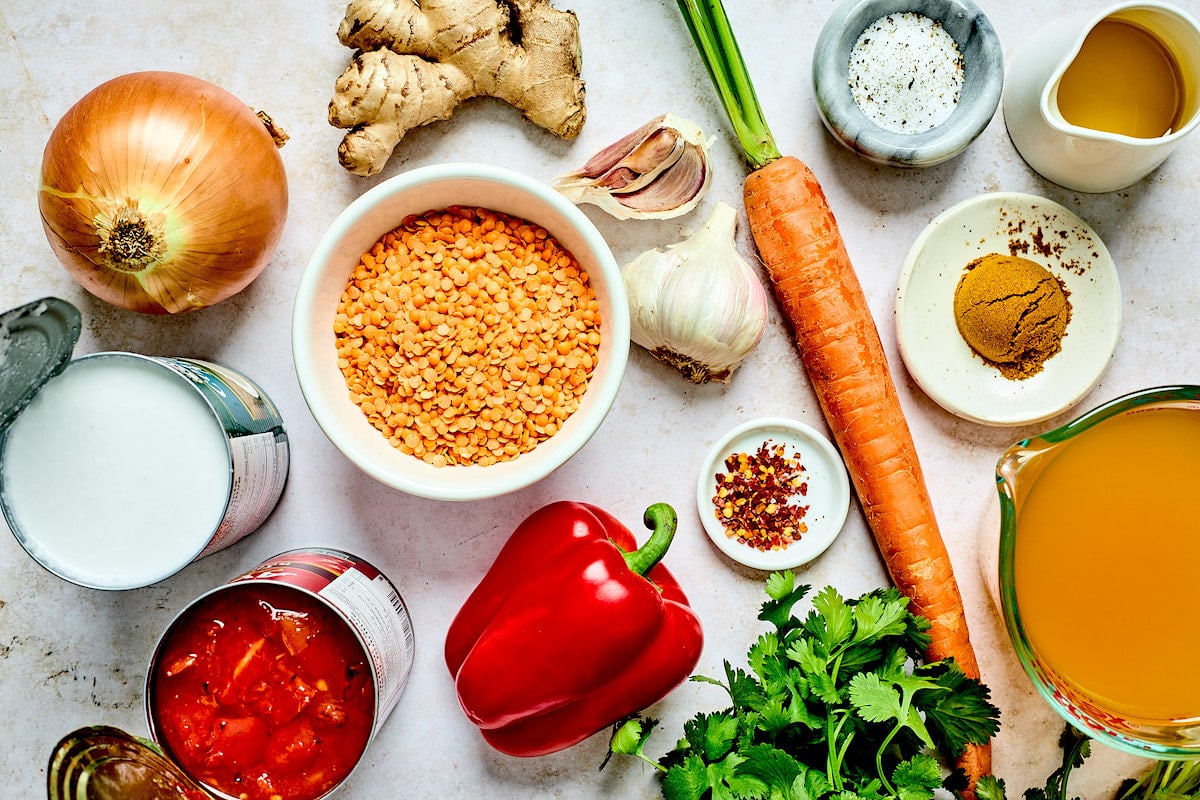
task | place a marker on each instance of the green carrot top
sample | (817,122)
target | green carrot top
(714,39)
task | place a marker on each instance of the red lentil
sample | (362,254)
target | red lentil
(467,336)
(755,498)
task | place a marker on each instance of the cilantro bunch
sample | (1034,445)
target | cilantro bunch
(835,705)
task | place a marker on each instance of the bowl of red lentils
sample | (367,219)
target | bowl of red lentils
(460,331)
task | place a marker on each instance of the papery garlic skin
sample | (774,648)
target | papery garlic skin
(659,171)
(697,305)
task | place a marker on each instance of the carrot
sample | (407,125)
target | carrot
(820,295)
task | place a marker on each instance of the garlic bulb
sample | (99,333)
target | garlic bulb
(697,305)
(659,171)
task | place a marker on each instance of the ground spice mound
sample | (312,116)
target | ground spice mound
(1012,312)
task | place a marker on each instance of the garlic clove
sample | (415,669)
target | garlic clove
(658,151)
(610,156)
(659,171)
(697,305)
(689,176)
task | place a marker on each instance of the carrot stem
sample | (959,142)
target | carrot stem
(713,35)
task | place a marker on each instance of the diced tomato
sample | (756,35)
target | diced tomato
(237,742)
(242,706)
(329,713)
(281,695)
(191,727)
(325,660)
(295,630)
(292,746)
(252,664)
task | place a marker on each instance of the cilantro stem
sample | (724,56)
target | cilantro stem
(879,757)
(1173,778)
(837,748)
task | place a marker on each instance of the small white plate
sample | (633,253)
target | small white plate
(828,497)
(941,361)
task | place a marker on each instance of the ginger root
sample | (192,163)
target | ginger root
(416,62)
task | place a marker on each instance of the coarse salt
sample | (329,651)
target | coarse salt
(906,73)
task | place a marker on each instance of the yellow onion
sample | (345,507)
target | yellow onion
(162,192)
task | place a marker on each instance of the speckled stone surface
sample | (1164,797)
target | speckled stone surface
(983,78)
(71,657)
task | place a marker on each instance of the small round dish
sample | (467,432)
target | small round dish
(828,497)
(935,353)
(982,82)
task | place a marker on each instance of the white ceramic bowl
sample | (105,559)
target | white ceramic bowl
(380,210)
(983,79)
(941,361)
(828,498)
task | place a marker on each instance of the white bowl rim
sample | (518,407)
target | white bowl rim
(603,389)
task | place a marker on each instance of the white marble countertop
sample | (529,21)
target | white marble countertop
(71,657)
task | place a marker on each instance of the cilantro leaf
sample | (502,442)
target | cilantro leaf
(784,594)
(785,777)
(686,781)
(833,621)
(629,737)
(724,779)
(711,735)
(989,787)
(880,614)
(961,715)
(879,700)
(917,778)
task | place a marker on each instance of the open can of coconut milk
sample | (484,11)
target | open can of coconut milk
(303,658)
(117,469)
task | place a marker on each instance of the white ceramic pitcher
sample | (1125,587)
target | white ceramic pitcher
(1081,158)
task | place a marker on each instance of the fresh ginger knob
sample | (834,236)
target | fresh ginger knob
(415,64)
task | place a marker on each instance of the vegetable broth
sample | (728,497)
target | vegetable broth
(1123,80)
(1107,558)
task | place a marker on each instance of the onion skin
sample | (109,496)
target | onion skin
(183,165)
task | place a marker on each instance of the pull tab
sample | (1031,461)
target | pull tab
(36,342)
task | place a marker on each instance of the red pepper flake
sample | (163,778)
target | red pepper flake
(754,498)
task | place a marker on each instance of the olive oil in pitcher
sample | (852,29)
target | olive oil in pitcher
(1123,80)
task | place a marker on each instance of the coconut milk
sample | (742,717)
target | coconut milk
(125,468)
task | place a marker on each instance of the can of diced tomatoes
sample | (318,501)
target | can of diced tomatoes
(275,683)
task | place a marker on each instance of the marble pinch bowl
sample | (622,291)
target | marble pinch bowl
(983,80)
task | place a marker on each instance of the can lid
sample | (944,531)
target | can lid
(104,763)
(36,341)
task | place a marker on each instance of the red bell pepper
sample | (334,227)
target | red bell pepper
(572,629)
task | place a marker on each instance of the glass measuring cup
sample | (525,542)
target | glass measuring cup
(1096,606)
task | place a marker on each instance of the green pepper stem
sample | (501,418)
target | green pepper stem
(661,520)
